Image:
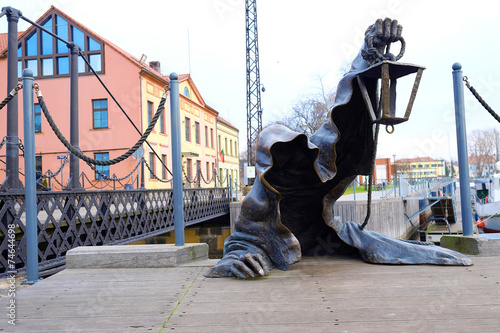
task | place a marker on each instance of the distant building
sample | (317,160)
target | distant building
(229,157)
(420,167)
(482,166)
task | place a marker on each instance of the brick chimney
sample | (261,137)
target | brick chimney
(155,65)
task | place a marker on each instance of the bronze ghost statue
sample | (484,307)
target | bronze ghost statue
(290,207)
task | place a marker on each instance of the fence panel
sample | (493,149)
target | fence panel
(68,219)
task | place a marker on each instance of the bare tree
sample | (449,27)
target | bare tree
(403,167)
(482,145)
(310,113)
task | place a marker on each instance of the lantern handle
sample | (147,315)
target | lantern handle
(387,55)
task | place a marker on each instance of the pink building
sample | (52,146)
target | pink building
(104,131)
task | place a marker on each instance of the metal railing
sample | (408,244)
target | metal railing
(69,219)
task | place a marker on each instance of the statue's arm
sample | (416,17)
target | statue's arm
(377,37)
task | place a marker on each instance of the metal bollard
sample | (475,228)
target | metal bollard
(30,177)
(463,162)
(175,116)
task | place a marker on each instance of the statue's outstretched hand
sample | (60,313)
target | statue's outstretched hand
(380,35)
(249,265)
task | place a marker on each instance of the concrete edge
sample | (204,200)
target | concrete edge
(478,245)
(135,256)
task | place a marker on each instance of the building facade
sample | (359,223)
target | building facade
(104,130)
(229,156)
(420,167)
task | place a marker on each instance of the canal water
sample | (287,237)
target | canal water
(213,233)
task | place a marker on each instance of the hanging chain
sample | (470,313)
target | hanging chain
(11,95)
(481,100)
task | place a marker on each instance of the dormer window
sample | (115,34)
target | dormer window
(49,57)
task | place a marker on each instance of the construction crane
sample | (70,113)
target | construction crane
(254,110)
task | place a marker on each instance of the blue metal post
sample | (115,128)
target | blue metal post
(175,116)
(30,176)
(74,162)
(463,162)
(12,181)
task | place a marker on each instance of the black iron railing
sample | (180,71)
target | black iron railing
(68,219)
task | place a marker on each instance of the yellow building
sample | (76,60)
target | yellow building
(229,157)
(153,86)
(198,141)
(421,167)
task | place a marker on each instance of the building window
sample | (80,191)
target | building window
(47,56)
(47,40)
(32,45)
(208,171)
(225,146)
(197,132)
(231,147)
(186,92)
(100,113)
(235,148)
(38,119)
(187,128)
(33,65)
(189,169)
(47,67)
(152,163)
(102,171)
(38,167)
(163,168)
(62,65)
(206,136)
(211,138)
(150,112)
(162,122)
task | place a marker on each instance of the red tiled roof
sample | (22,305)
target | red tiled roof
(416,160)
(222,120)
(483,158)
(4,41)
(3,44)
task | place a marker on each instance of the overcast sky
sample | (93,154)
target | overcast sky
(301,41)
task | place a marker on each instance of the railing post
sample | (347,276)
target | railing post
(12,181)
(30,177)
(175,116)
(354,188)
(74,162)
(143,186)
(463,161)
(230,188)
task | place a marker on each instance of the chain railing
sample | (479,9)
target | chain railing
(481,100)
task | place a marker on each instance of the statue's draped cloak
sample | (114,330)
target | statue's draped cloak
(290,206)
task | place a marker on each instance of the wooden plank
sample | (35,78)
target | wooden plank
(321,294)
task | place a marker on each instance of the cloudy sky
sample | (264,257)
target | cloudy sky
(302,41)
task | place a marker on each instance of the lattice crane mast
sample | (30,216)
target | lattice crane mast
(254,110)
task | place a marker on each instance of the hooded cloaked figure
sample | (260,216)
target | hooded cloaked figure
(289,210)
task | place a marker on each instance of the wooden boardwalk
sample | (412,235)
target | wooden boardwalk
(324,294)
